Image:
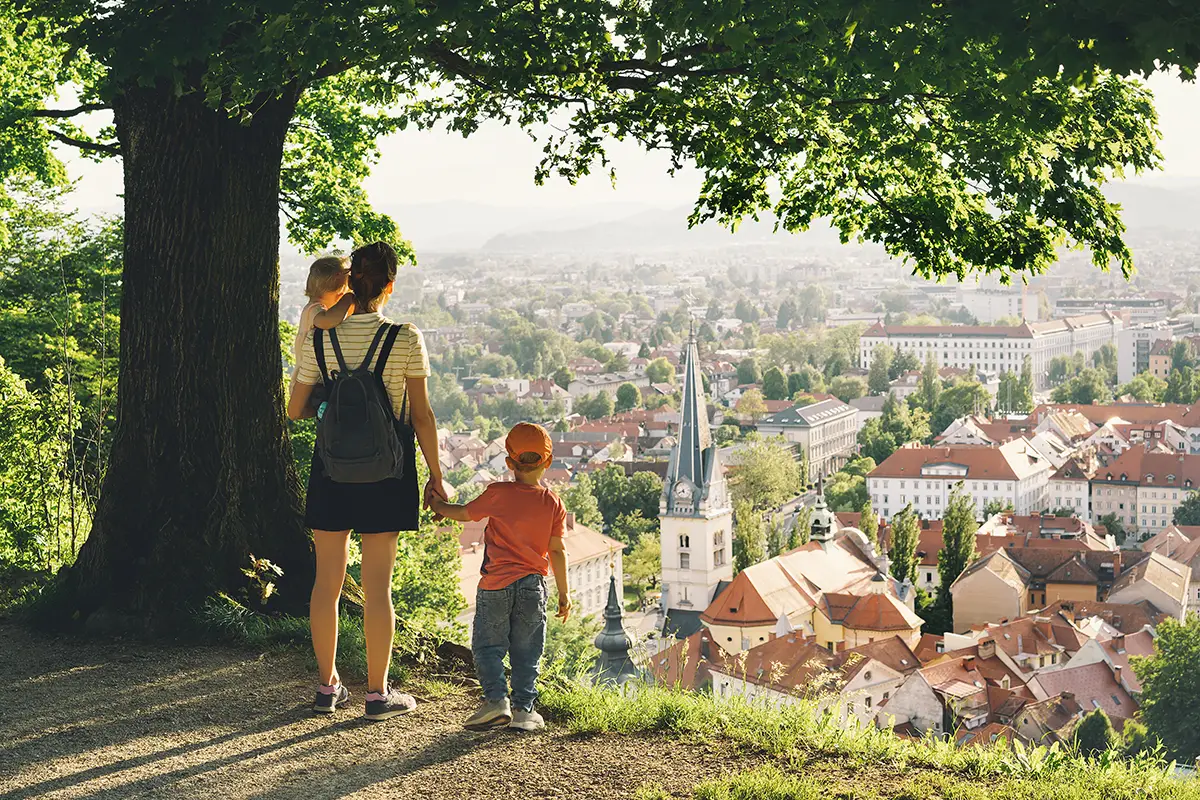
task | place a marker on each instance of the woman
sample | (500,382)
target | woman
(376,511)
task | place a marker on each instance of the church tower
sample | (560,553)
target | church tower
(695,512)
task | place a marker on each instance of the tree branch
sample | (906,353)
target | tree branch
(63,113)
(83,144)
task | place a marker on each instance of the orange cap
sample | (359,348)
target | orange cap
(526,437)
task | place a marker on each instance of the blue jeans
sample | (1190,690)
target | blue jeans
(511,620)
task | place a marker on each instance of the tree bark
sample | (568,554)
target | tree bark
(200,473)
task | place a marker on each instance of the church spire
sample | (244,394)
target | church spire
(695,437)
(614,664)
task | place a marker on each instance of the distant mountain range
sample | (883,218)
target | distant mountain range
(622,227)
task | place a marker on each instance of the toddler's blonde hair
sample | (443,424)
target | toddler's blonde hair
(327,274)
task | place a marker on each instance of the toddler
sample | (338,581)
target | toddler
(329,302)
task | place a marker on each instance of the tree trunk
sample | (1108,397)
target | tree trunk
(200,473)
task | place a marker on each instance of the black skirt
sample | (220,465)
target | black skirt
(389,505)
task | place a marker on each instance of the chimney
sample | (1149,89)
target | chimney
(570,520)
(1068,696)
(968,663)
(1119,643)
(987,648)
(1020,649)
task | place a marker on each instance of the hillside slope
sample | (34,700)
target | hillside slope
(121,719)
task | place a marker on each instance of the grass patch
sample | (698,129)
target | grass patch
(930,769)
(1077,782)
(631,600)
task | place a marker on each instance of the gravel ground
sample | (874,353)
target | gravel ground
(89,719)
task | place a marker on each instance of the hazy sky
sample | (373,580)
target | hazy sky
(495,166)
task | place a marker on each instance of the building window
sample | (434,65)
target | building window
(685,561)
(719,557)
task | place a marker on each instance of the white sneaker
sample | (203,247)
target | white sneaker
(493,714)
(527,721)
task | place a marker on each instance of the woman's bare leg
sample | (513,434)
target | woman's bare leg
(379,615)
(333,551)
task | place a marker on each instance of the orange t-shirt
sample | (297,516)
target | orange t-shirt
(522,519)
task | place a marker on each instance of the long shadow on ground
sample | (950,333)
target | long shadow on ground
(91,719)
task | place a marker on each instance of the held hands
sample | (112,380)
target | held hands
(435,488)
(564,607)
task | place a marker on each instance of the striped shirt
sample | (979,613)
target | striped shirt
(408,358)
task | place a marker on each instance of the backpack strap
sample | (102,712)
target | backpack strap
(388,343)
(386,351)
(366,362)
(319,348)
(337,351)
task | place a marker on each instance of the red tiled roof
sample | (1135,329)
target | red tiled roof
(927,648)
(893,652)
(982,462)
(1094,687)
(1121,648)
(871,612)
(1129,412)
(687,664)
(1126,617)
(740,604)
(983,737)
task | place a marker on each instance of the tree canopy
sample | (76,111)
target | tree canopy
(906,535)
(972,176)
(958,539)
(766,474)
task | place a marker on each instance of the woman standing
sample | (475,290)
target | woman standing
(376,511)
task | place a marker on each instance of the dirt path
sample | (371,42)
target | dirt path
(122,720)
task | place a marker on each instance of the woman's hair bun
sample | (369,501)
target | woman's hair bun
(372,268)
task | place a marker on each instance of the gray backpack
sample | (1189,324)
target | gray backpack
(356,435)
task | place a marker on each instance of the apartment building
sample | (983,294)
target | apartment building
(608,382)
(1135,342)
(1135,309)
(826,431)
(989,305)
(999,348)
(1013,472)
(1144,488)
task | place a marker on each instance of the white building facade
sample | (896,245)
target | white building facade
(1133,348)
(826,431)
(989,305)
(996,349)
(1012,473)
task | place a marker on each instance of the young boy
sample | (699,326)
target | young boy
(525,527)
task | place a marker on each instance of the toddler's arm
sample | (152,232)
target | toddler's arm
(454,511)
(328,318)
(558,565)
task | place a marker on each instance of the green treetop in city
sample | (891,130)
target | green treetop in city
(960,136)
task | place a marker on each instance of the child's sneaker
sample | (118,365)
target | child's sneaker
(492,714)
(527,721)
(387,704)
(330,698)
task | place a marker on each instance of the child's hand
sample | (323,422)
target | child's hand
(564,607)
